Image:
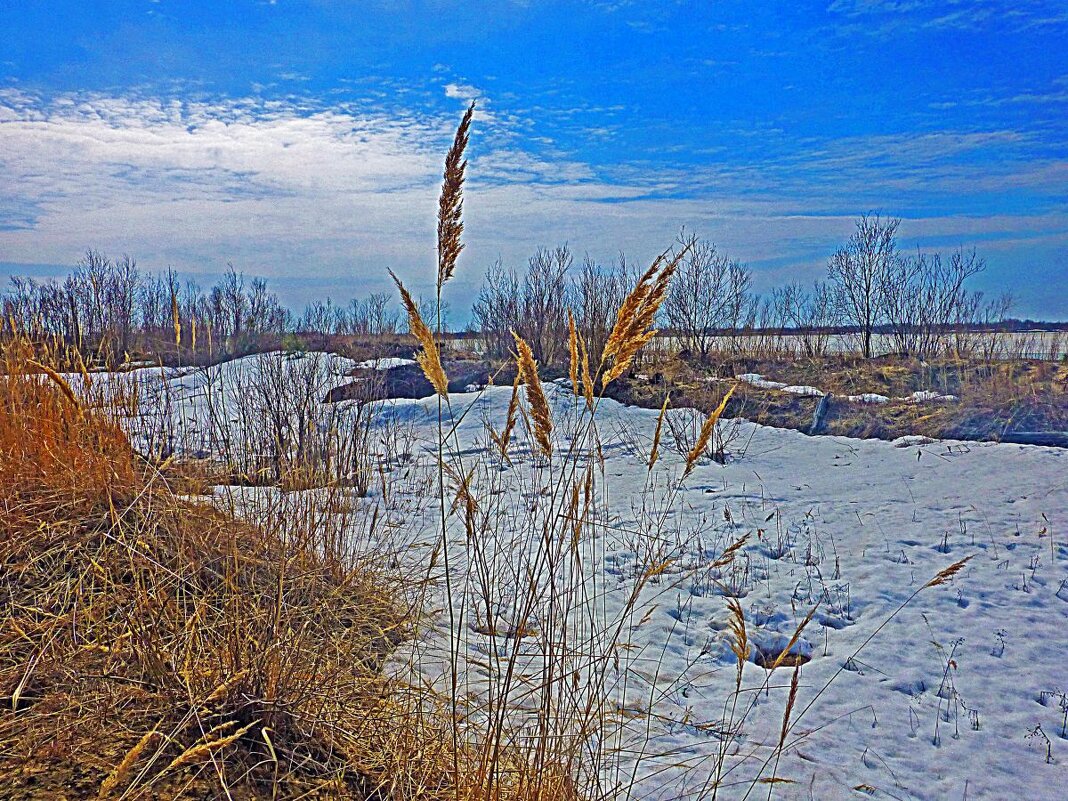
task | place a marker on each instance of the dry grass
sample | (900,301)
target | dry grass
(151,647)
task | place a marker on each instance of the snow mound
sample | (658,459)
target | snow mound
(757,380)
(926,396)
(868,397)
(804,389)
(384,363)
(910,440)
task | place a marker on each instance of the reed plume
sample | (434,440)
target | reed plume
(505,436)
(451,202)
(706,433)
(947,573)
(587,379)
(429,358)
(634,320)
(123,768)
(540,416)
(176,319)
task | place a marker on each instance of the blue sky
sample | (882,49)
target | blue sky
(303,141)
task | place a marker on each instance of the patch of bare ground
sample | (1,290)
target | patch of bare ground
(992,401)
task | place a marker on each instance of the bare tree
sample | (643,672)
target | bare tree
(598,292)
(923,295)
(858,272)
(808,314)
(710,292)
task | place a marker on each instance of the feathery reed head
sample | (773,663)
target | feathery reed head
(429,358)
(541,417)
(451,201)
(706,433)
(948,573)
(637,314)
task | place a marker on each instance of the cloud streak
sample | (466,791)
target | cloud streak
(338,193)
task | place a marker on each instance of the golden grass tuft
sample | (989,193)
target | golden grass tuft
(450,202)
(429,357)
(540,415)
(705,435)
(152,647)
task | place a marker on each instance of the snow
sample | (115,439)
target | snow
(387,363)
(850,527)
(864,524)
(927,396)
(868,397)
(804,389)
(757,380)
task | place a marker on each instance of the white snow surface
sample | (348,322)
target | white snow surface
(385,363)
(864,524)
(927,396)
(804,389)
(852,527)
(757,380)
(868,397)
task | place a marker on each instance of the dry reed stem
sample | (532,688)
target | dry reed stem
(706,432)
(429,357)
(655,452)
(120,771)
(573,349)
(634,320)
(450,203)
(540,415)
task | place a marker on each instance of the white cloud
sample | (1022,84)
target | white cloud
(292,188)
(462,91)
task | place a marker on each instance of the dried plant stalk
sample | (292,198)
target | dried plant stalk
(706,433)
(540,416)
(429,358)
(572,343)
(655,452)
(451,201)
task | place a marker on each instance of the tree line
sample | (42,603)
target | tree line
(871,287)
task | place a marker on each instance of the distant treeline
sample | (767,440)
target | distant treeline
(919,302)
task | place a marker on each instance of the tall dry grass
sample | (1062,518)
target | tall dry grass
(152,647)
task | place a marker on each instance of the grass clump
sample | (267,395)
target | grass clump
(155,647)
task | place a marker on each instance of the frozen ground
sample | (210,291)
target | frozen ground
(961,696)
(857,526)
